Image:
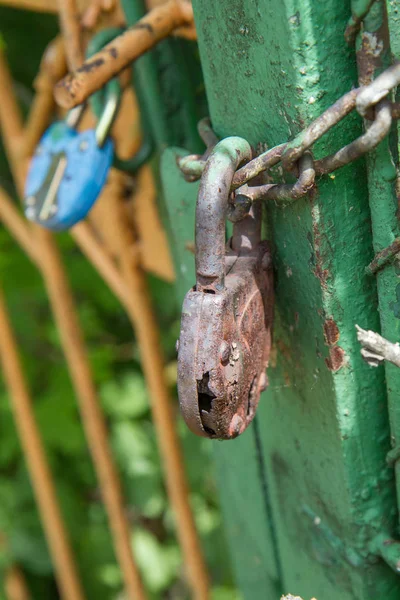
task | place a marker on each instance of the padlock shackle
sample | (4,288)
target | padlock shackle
(99,98)
(211,211)
(109,114)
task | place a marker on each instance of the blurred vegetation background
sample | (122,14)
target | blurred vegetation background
(114,356)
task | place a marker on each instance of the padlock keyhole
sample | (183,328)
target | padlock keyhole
(205,397)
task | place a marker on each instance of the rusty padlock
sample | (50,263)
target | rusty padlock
(225,337)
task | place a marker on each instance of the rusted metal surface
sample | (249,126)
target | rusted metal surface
(261,163)
(68,14)
(283,192)
(370,101)
(46,6)
(97,8)
(359,10)
(370,139)
(37,463)
(337,356)
(158,24)
(225,336)
(305,139)
(384,257)
(378,89)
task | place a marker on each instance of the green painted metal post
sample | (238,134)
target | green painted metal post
(382,176)
(306,490)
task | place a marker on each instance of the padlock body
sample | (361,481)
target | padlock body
(84,174)
(224,347)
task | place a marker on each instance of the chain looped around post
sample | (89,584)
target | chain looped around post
(371,102)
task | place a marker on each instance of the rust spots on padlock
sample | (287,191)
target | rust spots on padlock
(225,343)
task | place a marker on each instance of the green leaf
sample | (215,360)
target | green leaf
(225,593)
(159,563)
(58,420)
(30,550)
(126,398)
(146,495)
(10,448)
(134,448)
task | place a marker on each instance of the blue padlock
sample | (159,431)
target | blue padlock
(70,168)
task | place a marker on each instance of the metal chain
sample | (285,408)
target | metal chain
(370,101)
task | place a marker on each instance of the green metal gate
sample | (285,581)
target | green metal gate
(310,491)
(308,496)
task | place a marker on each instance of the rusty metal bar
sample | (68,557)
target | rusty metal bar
(47,6)
(67,322)
(370,139)
(359,11)
(52,67)
(306,138)
(384,257)
(35,456)
(135,298)
(15,585)
(376,90)
(68,14)
(18,227)
(76,87)
(172,456)
(101,261)
(92,417)
(83,236)
(283,193)
(144,323)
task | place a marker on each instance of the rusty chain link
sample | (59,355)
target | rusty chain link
(371,103)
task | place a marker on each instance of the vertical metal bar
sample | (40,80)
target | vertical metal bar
(373,54)
(65,314)
(52,67)
(18,227)
(134,295)
(93,419)
(70,26)
(143,320)
(15,585)
(39,5)
(35,456)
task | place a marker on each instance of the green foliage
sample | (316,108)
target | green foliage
(114,356)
